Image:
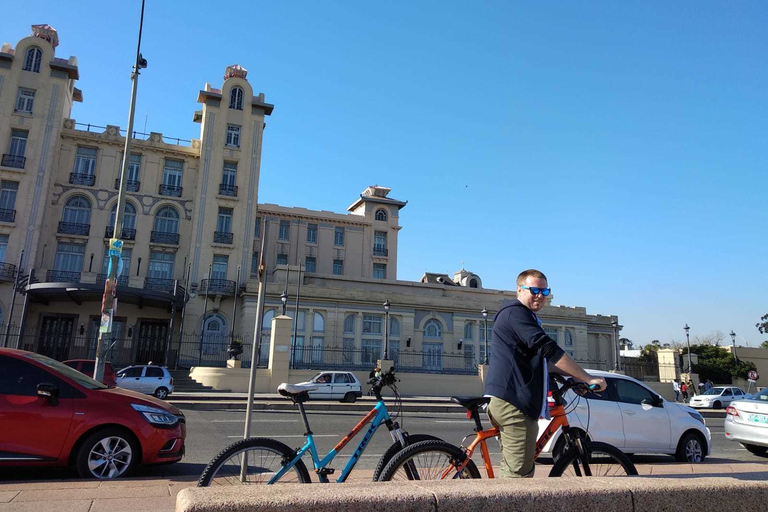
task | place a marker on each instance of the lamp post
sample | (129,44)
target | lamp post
(485,336)
(688,341)
(386,330)
(284,299)
(617,362)
(733,342)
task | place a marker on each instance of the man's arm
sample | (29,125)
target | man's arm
(568,366)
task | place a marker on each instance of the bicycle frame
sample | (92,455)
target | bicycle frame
(376,416)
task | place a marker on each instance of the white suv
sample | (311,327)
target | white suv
(635,419)
(148,379)
(342,386)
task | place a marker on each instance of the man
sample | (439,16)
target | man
(518,375)
(676,389)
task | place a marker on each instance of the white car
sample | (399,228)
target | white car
(635,419)
(342,386)
(718,397)
(746,422)
(148,379)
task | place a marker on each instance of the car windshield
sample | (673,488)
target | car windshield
(762,395)
(713,391)
(65,370)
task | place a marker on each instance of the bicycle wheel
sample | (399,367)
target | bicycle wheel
(429,460)
(604,460)
(396,447)
(262,457)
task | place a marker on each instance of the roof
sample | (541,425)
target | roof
(216,93)
(376,199)
(432,278)
(64,65)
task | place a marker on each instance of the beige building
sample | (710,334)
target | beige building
(193,230)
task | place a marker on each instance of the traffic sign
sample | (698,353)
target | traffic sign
(753,375)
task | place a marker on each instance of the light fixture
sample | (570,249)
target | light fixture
(284,299)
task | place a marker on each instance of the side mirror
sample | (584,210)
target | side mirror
(658,401)
(49,391)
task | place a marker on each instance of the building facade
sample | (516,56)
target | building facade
(194,233)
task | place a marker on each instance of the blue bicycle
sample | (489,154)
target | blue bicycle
(260,460)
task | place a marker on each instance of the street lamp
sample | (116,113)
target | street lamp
(688,340)
(733,342)
(386,330)
(617,362)
(485,317)
(284,299)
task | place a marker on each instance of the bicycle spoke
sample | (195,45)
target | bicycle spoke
(261,465)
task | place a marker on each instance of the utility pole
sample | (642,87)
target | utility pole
(109,301)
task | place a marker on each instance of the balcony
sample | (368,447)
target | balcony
(7,215)
(130,185)
(127,234)
(222,237)
(72,228)
(161,237)
(228,190)
(82,179)
(380,251)
(7,272)
(218,287)
(158,284)
(170,190)
(62,276)
(121,280)
(14,161)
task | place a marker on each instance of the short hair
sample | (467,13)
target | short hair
(525,274)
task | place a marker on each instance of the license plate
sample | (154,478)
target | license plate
(757,418)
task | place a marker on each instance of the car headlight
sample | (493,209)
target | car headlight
(156,416)
(698,417)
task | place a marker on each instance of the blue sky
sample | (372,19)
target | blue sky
(620,147)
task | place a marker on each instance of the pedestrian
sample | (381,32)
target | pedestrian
(708,385)
(684,391)
(701,387)
(375,374)
(676,389)
(691,388)
(517,381)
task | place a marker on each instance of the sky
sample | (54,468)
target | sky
(619,147)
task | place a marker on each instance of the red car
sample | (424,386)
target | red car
(87,366)
(52,415)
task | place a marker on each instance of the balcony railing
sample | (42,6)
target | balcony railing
(121,280)
(130,185)
(218,287)
(7,215)
(72,228)
(170,190)
(222,237)
(158,284)
(228,190)
(127,234)
(7,271)
(161,237)
(82,179)
(15,161)
(380,251)
(62,276)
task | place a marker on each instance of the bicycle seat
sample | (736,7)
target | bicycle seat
(294,390)
(470,402)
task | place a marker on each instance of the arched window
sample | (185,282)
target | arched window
(236,98)
(433,329)
(33,60)
(129,216)
(381,215)
(318,324)
(215,334)
(266,324)
(394,327)
(473,283)
(468,331)
(349,324)
(77,210)
(167,220)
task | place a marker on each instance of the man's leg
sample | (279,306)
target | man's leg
(517,438)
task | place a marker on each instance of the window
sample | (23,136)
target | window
(568,338)
(219,268)
(229,174)
(380,270)
(380,243)
(551,332)
(3,250)
(381,215)
(338,267)
(343,378)
(394,327)
(154,371)
(257,228)
(338,237)
(134,372)
(167,220)
(481,330)
(77,210)
(215,334)
(69,257)
(134,164)
(311,233)
(129,217)
(372,324)
(473,283)
(433,356)
(18,144)
(631,393)
(318,323)
(255,263)
(285,230)
(371,351)
(125,256)
(33,60)
(224,222)
(468,331)
(349,323)
(25,100)
(309,264)
(233,135)
(161,265)
(85,161)
(172,173)
(347,355)
(236,98)
(8,190)
(433,329)
(282,259)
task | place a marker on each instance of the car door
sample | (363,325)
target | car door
(130,378)
(647,427)
(341,385)
(598,413)
(727,397)
(33,427)
(324,383)
(153,379)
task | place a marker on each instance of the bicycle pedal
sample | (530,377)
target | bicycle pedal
(325,471)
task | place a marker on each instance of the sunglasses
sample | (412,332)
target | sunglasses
(535,290)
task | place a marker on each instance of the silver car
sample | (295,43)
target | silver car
(746,422)
(148,379)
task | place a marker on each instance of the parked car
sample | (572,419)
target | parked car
(746,422)
(149,379)
(87,366)
(635,419)
(342,386)
(718,398)
(53,415)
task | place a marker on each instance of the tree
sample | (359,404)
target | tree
(764,344)
(762,326)
(626,344)
(717,364)
(650,353)
(713,338)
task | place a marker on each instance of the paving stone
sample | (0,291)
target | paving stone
(47,506)
(167,504)
(153,491)
(6,496)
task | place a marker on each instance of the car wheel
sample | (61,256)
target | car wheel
(753,448)
(690,449)
(107,454)
(349,398)
(161,393)
(717,405)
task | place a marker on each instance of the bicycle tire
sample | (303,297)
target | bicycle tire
(264,457)
(396,447)
(604,460)
(430,459)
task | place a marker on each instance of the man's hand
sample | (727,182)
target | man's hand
(599,382)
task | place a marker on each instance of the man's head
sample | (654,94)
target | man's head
(530,281)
